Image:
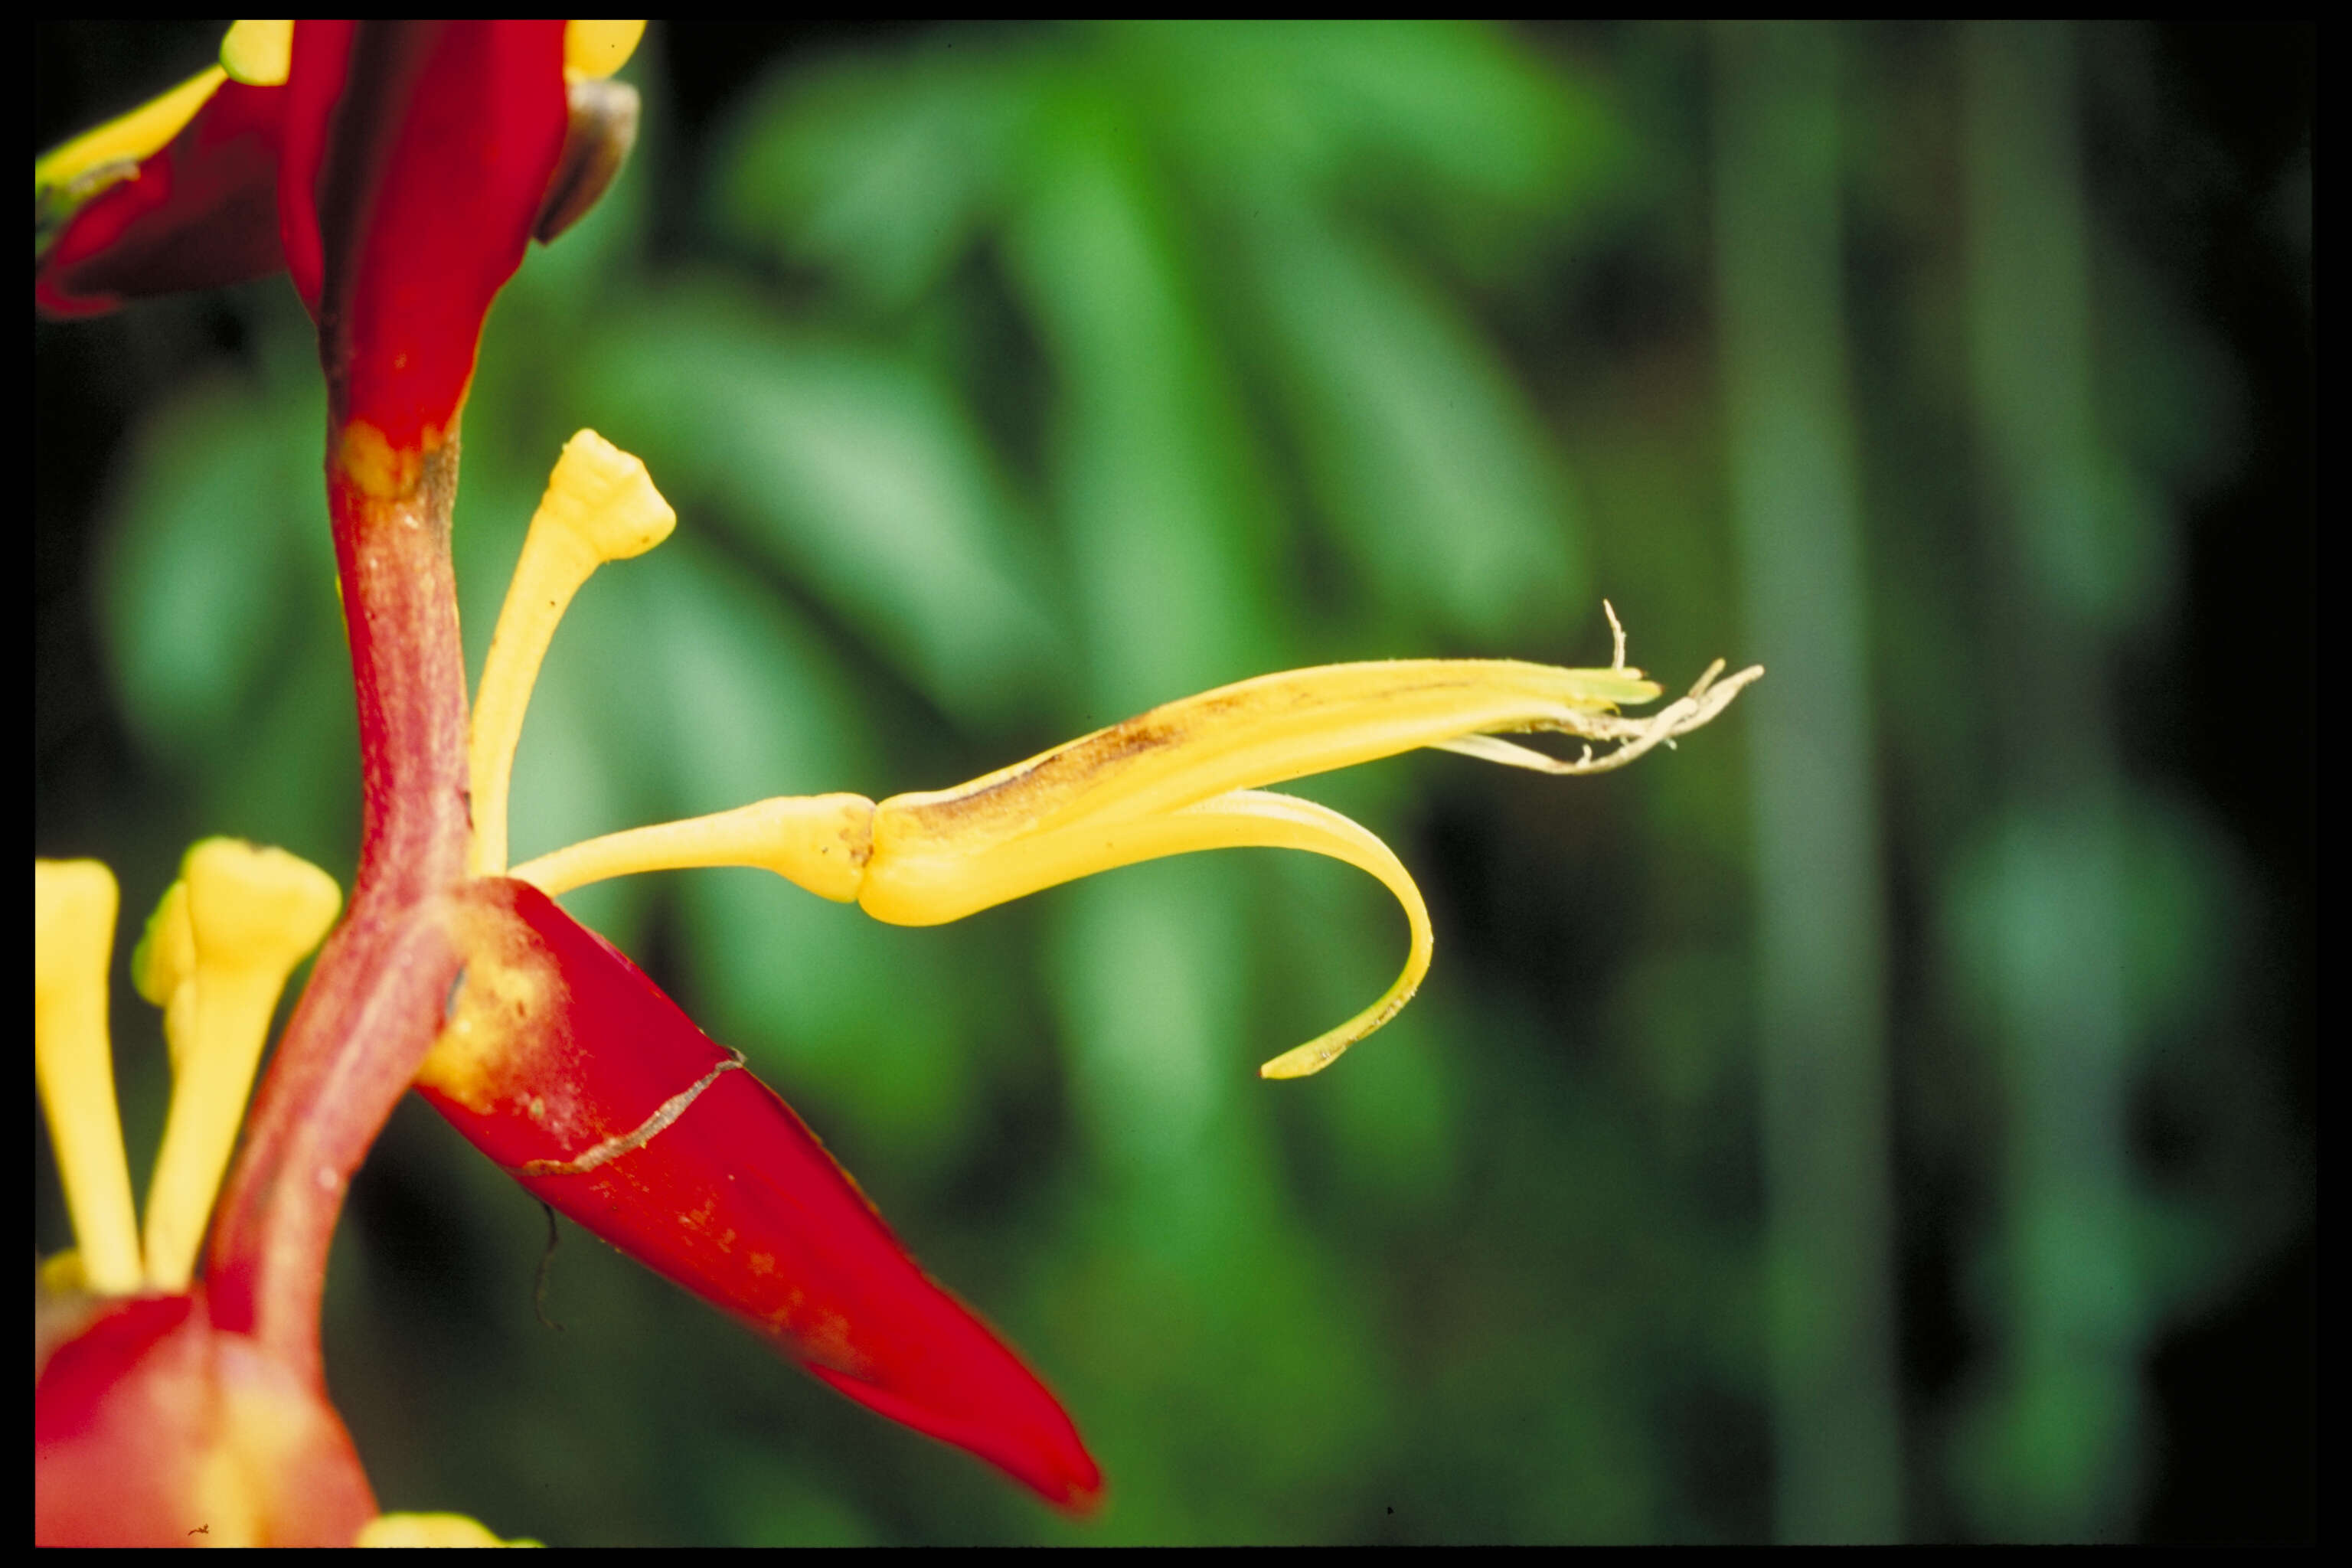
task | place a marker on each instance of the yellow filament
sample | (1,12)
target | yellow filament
(599,48)
(820,842)
(258,54)
(600,505)
(1635,737)
(73,932)
(125,140)
(216,956)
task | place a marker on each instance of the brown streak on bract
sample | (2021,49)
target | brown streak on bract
(612,1149)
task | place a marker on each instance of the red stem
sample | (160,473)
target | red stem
(376,995)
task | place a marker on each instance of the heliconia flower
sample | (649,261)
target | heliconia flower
(406,166)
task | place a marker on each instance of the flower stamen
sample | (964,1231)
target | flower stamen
(600,505)
(73,931)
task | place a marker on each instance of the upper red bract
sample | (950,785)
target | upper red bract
(395,174)
(416,156)
(199,214)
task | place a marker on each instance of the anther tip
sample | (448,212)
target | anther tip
(605,496)
(73,915)
(250,904)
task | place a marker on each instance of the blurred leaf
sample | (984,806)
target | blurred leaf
(221,518)
(1427,460)
(1461,135)
(1150,967)
(852,468)
(879,170)
(1159,493)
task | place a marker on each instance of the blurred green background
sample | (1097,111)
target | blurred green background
(1891,1115)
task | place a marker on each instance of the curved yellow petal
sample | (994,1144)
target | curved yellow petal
(1262,819)
(912,881)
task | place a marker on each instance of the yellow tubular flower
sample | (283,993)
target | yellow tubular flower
(1183,777)
(73,931)
(215,956)
(600,506)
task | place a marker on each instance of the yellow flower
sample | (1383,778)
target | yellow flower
(1185,776)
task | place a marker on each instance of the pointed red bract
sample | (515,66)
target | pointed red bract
(199,213)
(566,1065)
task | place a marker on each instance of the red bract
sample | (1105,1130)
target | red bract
(416,156)
(199,214)
(564,1064)
(397,173)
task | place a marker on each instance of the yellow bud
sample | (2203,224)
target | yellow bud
(254,908)
(73,1065)
(604,497)
(225,938)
